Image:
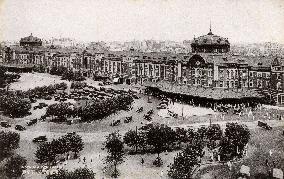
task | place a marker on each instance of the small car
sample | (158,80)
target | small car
(40,139)
(42,105)
(264,125)
(5,124)
(31,122)
(162,106)
(48,98)
(20,128)
(135,96)
(128,119)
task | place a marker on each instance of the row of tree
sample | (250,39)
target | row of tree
(48,151)
(73,76)
(43,91)
(79,173)
(102,108)
(159,138)
(66,74)
(231,145)
(94,111)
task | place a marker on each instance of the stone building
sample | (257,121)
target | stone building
(30,41)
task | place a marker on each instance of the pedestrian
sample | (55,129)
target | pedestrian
(142,161)
(266,162)
(84,159)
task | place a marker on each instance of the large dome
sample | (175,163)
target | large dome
(210,39)
(30,38)
(210,43)
(30,41)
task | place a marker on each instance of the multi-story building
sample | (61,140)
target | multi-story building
(209,65)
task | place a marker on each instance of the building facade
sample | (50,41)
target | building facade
(209,65)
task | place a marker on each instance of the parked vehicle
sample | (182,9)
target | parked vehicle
(162,106)
(139,109)
(42,105)
(5,124)
(40,139)
(128,119)
(135,96)
(115,123)
(32,122)
(264,125)
(48,98)
(20,128)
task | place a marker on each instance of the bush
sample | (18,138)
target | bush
(80,173)
(15,166)
(100,109)
(14,106)
(9,141)
(60,111)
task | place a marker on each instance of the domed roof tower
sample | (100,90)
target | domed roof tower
(30,41)
(210,43)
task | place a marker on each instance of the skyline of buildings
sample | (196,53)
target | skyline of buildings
(210,64)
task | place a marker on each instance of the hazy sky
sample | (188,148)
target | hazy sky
(92,20)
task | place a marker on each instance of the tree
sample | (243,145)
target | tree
(184,163)
(74,143)
(9,141)
(14,106)
(45,154)
(181,136)
(214,133)
(83,173)
(201,133)
(236,137)
(136,140)
(60,110)
(131,139)
(102,108)
(161,137)
(15,166)
(114,146)
(59,146)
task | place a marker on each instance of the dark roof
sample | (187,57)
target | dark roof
(210,39)
(210,93)
(30,38)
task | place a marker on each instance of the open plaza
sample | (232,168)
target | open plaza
(263,145)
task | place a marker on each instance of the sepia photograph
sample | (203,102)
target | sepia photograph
(141,89)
